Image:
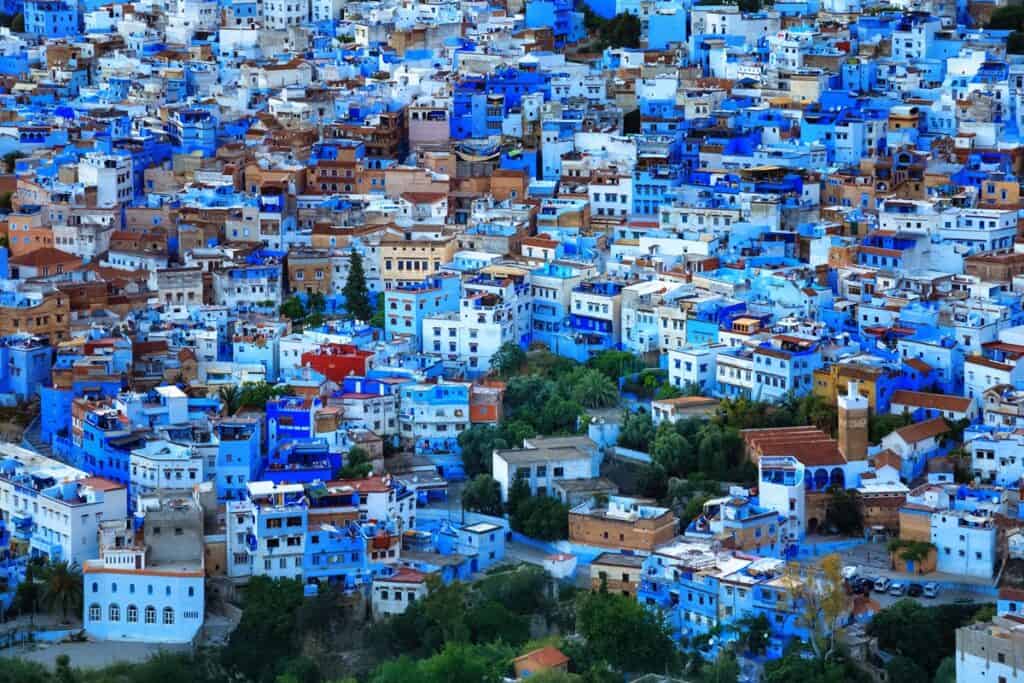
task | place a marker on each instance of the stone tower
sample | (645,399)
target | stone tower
(853,423)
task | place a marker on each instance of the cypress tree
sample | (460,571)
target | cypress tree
(357,297)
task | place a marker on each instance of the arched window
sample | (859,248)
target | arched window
(95,587)
(115,613)
(133,614)
(191,591)
(168,615)
(150,614)
(94,612)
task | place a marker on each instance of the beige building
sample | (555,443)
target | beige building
(618,572)
(414,255)
(621,522)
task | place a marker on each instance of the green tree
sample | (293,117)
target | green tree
(794,666)
(266,636)
(230,397)
(508,359)
(5,200)
(946,673)
(17,26)
(462,663)
(752,633)
(293,309)
(317,302)
(377,320)
(62,671)
(725,669)
(636,431)
(625,633)
(257,394)
(17,670)
(1010,17)
(880,426)
(924,634)
(1015,43)
(483,494)
(622,30)
(667,391)
(557,416)
(815,410)
(843,511)
(12,157)
(401,670)
(62,588)
(358,464)
(615,364)
(593,390)
(541,517)
(524,393)
(29,594)
(357,296)
(672,451)
(477,445)
(906,670)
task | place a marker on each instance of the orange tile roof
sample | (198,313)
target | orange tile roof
(923,430)
(100,484)
(542,659)
(925,399)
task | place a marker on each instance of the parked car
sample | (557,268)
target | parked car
(849,572)
(867,584)
(882,584)
(897,589)
(931,590)
(915,590)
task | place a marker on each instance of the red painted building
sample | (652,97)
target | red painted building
(338,361)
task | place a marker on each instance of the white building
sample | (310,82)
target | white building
(694,365)
(165,466)
(543,461)
(55,508)
(484,322)
(997,458)
(781,488)
(965,543)
(110,174)
(148,589)
(266,534)
(393,593)
(990,652)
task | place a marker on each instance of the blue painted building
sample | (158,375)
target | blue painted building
(239,460)
(406,305)
(51,18)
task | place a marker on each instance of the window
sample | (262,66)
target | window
(133,614)
(168,616)
(94,612)
(115,613)
(150,614)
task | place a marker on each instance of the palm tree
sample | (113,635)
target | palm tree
(62,586)
(231,398)
(594,390)
(29,591)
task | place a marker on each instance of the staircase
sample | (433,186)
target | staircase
(32,439)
